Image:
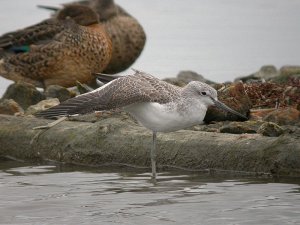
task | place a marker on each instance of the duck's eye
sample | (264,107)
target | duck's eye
(203,93)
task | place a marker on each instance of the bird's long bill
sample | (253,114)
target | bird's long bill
(228,109)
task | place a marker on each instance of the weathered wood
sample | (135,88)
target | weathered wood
(118,139)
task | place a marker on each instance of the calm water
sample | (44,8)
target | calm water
(73,195)
(219,39)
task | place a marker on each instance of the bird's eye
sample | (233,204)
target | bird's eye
(203,93)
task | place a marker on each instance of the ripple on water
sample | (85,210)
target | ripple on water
(76,195)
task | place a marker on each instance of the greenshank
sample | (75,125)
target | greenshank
(155,104)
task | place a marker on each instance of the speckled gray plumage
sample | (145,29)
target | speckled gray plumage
(124,91)
(139,87)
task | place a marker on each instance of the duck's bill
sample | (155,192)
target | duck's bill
(228,109)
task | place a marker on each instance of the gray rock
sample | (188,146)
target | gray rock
(212,127)
(290,70)
(188,76)
(248,127)
(10,107)
(265,73)
(270,129)
(24,94)
(286,73)
(249,79)
(175,81)
(42,105)
(56,91)
(283,116)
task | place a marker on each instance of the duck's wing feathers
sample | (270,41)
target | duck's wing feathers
(36,63)
(38,33)
(127,90)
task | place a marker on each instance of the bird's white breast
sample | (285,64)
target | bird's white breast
(166,117)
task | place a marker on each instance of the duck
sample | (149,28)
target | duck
(126,33)
(61,51)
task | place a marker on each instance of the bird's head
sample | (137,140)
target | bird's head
(106,8)
(209,96)
(81,14)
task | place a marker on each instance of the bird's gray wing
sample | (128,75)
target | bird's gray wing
(118,93)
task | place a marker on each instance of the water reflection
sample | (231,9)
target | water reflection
(52,194)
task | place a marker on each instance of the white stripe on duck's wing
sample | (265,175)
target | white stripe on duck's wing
(118,93)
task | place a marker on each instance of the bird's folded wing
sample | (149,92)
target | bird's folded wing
(116,94)
(43,55)
(38,33)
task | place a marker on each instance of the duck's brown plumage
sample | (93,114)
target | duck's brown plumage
(61,52)
(126,33)
(128,40)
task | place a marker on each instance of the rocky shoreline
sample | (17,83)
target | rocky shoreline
(267,143)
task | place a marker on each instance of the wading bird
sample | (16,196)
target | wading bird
(157,105)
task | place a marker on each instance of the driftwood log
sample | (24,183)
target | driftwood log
(119,140)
